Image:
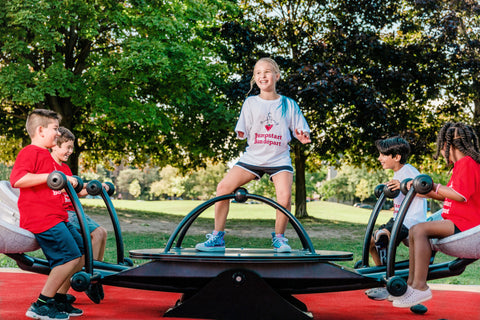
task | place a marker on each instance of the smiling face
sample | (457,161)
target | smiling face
(389,162)
(265,76)
(46,137)
(61,153)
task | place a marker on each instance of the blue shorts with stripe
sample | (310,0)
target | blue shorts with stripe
(60,244)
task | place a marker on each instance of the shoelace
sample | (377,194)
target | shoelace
(211,239)
(279,241)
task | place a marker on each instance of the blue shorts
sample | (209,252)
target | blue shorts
(61,244)
(260,171)
(73,219)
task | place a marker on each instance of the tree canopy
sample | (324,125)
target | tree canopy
(152,82)
(361,70)
(133,80)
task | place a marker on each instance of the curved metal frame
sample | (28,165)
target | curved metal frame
(370,226)
(392,248)
(185,224)
(87,241)
(116,227)
(95,188)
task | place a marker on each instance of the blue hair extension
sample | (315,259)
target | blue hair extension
(284,106)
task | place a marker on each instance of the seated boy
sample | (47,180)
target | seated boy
(394,153)
(42,213)
(60,153)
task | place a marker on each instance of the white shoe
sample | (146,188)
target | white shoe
(412,297)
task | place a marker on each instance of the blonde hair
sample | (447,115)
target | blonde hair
(40,118)
(272,62)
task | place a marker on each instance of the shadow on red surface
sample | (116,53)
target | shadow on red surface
(18,290)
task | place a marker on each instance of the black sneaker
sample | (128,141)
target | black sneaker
(69,309)
(71,298)
(95,292)
(48,311)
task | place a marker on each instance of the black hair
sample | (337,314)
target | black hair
(460,136)
(393,146)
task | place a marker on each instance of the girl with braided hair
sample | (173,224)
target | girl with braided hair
(462,136)
(458,143)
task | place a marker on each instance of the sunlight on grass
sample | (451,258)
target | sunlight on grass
(317,209)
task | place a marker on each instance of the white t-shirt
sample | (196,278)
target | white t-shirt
(268,131)
(417,212)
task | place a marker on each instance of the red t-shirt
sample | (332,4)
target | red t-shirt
(40,207)
(67,202)
(465,181)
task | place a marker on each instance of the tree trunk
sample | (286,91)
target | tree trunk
(476,114)
(300,190)
(66,110)
(73,163)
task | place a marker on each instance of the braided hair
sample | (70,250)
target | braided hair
(460,136)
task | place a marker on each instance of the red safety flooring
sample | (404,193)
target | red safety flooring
(19,289)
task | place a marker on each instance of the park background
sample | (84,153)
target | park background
(152,89)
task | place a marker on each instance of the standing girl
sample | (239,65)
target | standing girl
(459,144)
(266,121)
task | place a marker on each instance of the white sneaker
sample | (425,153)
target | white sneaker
(412,297)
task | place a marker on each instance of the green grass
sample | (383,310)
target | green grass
(316,209)
(336,226)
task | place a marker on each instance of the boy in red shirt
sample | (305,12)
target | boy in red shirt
(60,153)
(42,213)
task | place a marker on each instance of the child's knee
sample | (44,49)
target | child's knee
(372,242)
(75,262)
(284,197)
(414,231)
(103,232)
(223,188)
(99,233)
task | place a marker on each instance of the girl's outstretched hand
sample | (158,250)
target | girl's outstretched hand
(303,136)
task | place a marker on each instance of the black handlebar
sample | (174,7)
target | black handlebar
(240,195)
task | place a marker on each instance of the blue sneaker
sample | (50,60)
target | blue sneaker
(280,243)
(48,311)
(214,243)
